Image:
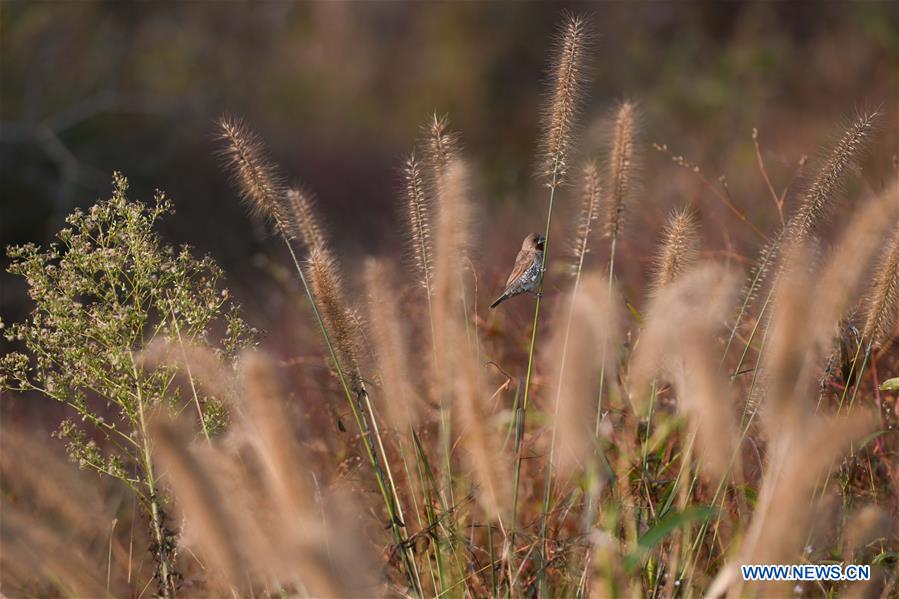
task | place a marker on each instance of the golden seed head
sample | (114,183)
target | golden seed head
(260,185)
(565,97)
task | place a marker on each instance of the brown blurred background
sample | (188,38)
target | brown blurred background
(339,91)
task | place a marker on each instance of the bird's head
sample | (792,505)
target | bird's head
(534,241)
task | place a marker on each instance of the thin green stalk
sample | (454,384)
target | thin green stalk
(858,378)
(533,346)
(856,386)
(743,434)
(753,287)
(190,376)
(167,582)
(547,486)
(513,422)
(450,534)
(602,377)
(408,559)
(602,371)
(415,507)
(492,558)
(748,345)
(392,486)
(421,464)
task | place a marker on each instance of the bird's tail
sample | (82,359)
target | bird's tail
(499,300)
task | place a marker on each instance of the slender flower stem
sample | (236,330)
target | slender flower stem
(166,568)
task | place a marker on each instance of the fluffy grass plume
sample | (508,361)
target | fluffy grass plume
(452,242)
(419,214)
(249,501)
(817,202)
(327,288)
(840,280)
(565,93)
(620,168)
(589,213)
(575,366)
(255,176)
(784,362)
(786,506)
(442,144)
(274,435)
(459,375)
(882,305)
(808,305)
(199,497)
(679,344)
(697,303)
(326,282)
(391,346)
(679,249)
(202,365)
(705,395)
(304,224)
(868,524)
(54,521)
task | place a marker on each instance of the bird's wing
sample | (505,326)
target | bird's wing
(522,262)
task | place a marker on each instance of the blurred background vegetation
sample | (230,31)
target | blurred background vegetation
(339,91)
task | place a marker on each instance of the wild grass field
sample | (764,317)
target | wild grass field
(597,437)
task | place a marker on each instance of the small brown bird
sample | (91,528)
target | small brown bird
(526,272)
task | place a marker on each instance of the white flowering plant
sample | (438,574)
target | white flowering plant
(106,290)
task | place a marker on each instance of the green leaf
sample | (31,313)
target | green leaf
(750,494)
(890,385)
(886,556)
(634,312)
(664,527)
(868,438)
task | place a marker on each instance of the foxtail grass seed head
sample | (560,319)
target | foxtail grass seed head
(419,211)
(442,145)
(276,441)
(882,303)
(767,258)
(787,502)
(621,168)
(785,369)
(679,249)
(564,99)
(327,288)
(866,525)
(257,178)
(452,241)
(700,302)
(391,346)
(458,375)
(840,279)
(678,343)
(480,441)
(588,215)
(199,498)
(705,394)
(817,202)
(36,551)
(576,365)
(303,221)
